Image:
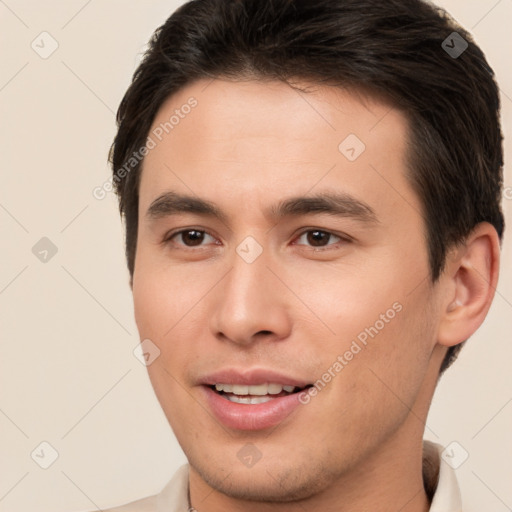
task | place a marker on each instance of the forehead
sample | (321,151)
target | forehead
(219,137)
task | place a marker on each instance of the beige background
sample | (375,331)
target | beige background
(68,375)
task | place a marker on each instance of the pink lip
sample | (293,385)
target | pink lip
(250,416)
(251,377)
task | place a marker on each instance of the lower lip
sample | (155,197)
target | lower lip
(251,416)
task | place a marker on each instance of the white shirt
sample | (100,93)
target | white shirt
(174,496)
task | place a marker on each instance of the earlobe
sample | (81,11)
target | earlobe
(472,276)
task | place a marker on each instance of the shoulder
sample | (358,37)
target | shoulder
(143,505)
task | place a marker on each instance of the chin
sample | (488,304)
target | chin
(270,483)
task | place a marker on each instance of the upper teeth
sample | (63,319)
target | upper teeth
(259,389)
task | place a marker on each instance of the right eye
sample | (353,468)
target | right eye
(189,237)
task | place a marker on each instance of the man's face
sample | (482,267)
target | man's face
(266,286)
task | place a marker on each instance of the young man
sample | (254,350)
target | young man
(311,195)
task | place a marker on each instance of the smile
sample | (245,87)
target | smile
(254,394)
(251,400)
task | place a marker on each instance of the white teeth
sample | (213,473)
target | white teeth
(248,399)
(258,389)
(274,389)
(240,389)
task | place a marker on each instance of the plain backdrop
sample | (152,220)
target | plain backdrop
(68,375)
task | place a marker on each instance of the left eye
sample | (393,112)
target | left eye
(318,238)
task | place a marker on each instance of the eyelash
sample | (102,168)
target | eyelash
(342,238)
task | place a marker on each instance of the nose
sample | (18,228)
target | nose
(250,304)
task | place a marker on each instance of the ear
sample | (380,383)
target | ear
(470,276)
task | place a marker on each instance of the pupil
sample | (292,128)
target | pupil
(193,237)
(317,238)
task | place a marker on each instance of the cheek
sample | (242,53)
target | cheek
(153,306)
(386,375)
(376,390)
(170,311)
(344,299)
(380,340)
(165,298)
(165,314)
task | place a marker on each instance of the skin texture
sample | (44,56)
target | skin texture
(246,146)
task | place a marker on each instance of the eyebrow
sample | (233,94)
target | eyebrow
(330,203)
(172,203)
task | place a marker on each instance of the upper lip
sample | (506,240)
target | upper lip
(251,377)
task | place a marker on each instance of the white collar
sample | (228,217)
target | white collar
(447,496)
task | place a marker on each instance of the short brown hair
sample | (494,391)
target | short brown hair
(396,48)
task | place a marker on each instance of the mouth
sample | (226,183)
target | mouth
(255,394)
(252,398)
(251,401)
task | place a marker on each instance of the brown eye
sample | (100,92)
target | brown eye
(190,237)
(317,238)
